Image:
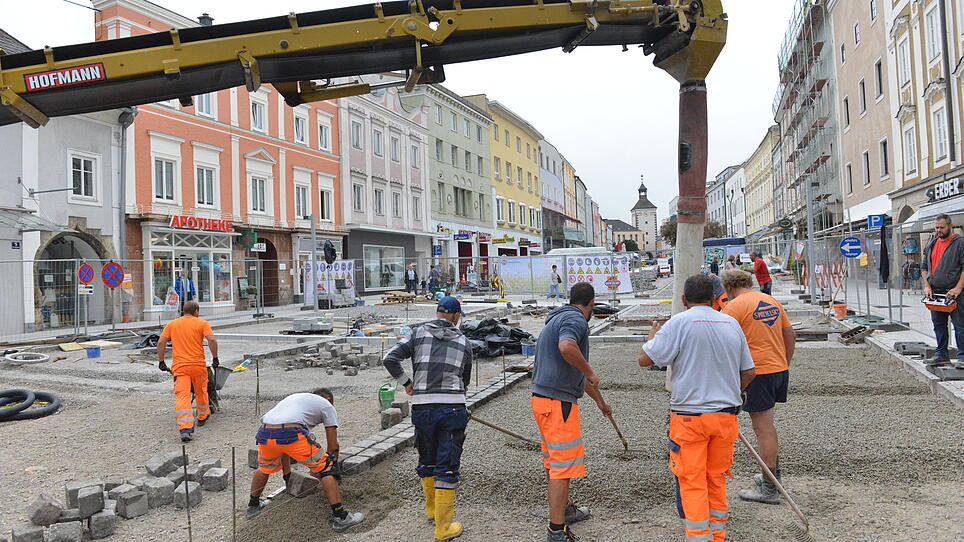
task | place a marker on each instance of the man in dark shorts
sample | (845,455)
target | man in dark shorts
(771,338)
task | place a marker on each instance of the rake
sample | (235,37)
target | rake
(802,534)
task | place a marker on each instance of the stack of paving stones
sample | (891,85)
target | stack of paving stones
(93,507)
(332,356)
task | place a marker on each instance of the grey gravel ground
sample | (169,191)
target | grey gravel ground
(869,454)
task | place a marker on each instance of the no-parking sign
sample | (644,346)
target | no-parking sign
(112,274)
(85,273)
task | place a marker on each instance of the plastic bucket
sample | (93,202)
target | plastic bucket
(93,351)
(221,375)
(840,309)
(359,302)
(386,396)
(528,348)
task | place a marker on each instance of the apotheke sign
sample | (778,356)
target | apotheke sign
(945,190)
(206,224)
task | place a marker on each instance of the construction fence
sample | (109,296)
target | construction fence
(45,297)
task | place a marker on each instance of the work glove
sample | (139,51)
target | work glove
(215,363)
(163,366)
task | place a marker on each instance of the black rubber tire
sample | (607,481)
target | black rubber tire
(26,398)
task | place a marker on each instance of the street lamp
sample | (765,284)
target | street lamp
(730,215)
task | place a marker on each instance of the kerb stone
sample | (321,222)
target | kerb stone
(44,510)
(187,494)
(300,485)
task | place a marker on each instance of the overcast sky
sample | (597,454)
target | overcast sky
(612,114)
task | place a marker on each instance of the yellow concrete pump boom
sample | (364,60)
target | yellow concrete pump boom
(301,53)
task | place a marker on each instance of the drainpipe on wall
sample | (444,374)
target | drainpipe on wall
(125,119)
(948,103)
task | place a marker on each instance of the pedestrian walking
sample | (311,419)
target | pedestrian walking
(942,264)
(411,279)
(762,273)
(703,406)
(554,281)
(771,338)
(441,369)
(433,278)
(715,265)
(285,434)
(187,335)
(730,263)
(560,377)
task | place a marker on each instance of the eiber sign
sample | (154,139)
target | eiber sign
(207,224)
(65,77)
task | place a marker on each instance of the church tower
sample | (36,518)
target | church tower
(644,218)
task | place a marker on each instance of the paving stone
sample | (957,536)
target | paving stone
(160,491)
(120,490)
(72,488)
(72,531)
(27,532)
(253,458)
(351,371)
(132,504)
(352,450)
(404,406)
(193,473)
(215,479)
(113,482)
(391,416)
(90,500)
(102,524)
(70,514)
(176,477)
(300,485)
(192,497)
(163,464)
(384,445)
(110,505)
(138,481)
(205,464)
(355,465)
(44,510)
(397,443)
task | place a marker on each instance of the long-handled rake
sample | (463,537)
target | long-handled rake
(800,533)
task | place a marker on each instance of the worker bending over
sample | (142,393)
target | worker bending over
(441,367)
(187,335)
(560,377)
(711,366)
(285,435)
(771,338)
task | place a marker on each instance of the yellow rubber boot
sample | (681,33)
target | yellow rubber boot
(428,488)
(445,528)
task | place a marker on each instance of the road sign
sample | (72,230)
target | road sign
(259,247)
(85,273)
(85,289)
(875,222)
(436,250)
(112,274)
(850,247)
(128,283)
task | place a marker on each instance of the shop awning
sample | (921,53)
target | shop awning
(923,219)
(24,220)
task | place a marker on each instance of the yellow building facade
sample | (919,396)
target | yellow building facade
(514,148)
(759,183)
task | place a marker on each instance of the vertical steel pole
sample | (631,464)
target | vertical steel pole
(187,497)
(866,278)
(811,257)
(234,497)
(900,295)
(314,266)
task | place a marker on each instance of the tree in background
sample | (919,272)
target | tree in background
(629,245)
(711,230)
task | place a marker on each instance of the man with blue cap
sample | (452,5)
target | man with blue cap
(441,365)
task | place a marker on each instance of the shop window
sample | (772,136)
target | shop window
(162,276)
(384,267)
(192,240)
(222,275)
(163,179)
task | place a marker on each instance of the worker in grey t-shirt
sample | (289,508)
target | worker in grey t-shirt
(711,366)
(284,435)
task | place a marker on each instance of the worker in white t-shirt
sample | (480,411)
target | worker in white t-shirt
(711,366)
(284,435)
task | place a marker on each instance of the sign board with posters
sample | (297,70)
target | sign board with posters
(329,277)
(607,273)
(714,252)
(483,237)
(524,274)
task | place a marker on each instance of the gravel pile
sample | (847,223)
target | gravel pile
(868,453)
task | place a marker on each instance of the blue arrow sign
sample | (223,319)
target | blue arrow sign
(850,247)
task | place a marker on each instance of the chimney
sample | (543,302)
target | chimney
(205,19)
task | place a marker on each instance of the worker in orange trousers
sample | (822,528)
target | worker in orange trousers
(187,335)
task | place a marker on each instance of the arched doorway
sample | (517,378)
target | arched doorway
(905,212)
(55,282)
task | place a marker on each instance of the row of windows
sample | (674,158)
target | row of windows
(533,214)
(518,143)
(469,128)
(467,159)
(862,93)
(531,183)
(394,147)
(358,201)
(462,202)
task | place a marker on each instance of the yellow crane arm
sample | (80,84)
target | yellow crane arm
(300,53)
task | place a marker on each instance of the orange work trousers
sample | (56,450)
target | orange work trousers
(186,378)
(563,453)
(700,456)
